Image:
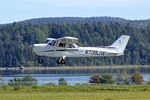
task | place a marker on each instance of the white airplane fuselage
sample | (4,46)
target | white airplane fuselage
(66,47)
(52,51)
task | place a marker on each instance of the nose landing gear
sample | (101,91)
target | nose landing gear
(40,61)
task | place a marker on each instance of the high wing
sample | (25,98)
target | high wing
(50,39)
(67,40)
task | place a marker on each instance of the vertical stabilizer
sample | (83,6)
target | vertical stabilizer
(120,43)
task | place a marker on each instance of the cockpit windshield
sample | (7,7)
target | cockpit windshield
(51,43)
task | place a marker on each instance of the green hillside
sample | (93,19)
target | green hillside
(16,40)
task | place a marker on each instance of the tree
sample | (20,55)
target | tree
(19,37)
(137,78)
(122,78)
(62,81)
(107,78)
(15,82)
(29,81)
(50,84)
(95,79)
(25,81)
(119,78)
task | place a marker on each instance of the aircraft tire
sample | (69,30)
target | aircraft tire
(63,61)
(58,61)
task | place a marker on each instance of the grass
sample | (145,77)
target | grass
(75,96)
(81,92)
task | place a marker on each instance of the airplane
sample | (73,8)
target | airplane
(66,47)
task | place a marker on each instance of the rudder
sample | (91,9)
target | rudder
(120,43)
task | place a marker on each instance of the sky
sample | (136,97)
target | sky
(19,10)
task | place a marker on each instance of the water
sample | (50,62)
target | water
(46,78)
(72,79)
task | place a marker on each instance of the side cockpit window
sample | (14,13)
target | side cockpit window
(71,46)
(62,45)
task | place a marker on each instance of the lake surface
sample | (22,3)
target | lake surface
(72,79)
(46,78)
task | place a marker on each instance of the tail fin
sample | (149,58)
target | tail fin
(121,43)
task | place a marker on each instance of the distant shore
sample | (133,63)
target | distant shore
(75,67)
(79,69)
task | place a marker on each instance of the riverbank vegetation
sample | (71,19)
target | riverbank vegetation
(100,87)
(103,79)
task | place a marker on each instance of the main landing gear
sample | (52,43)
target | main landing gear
(58,61)
(61,61)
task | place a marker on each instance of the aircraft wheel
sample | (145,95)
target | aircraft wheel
(58,61)
(63,61)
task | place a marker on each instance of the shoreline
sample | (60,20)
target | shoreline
(75,67)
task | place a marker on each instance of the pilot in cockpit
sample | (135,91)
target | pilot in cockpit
(62,44)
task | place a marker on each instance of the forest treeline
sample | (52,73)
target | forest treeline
(16,40)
